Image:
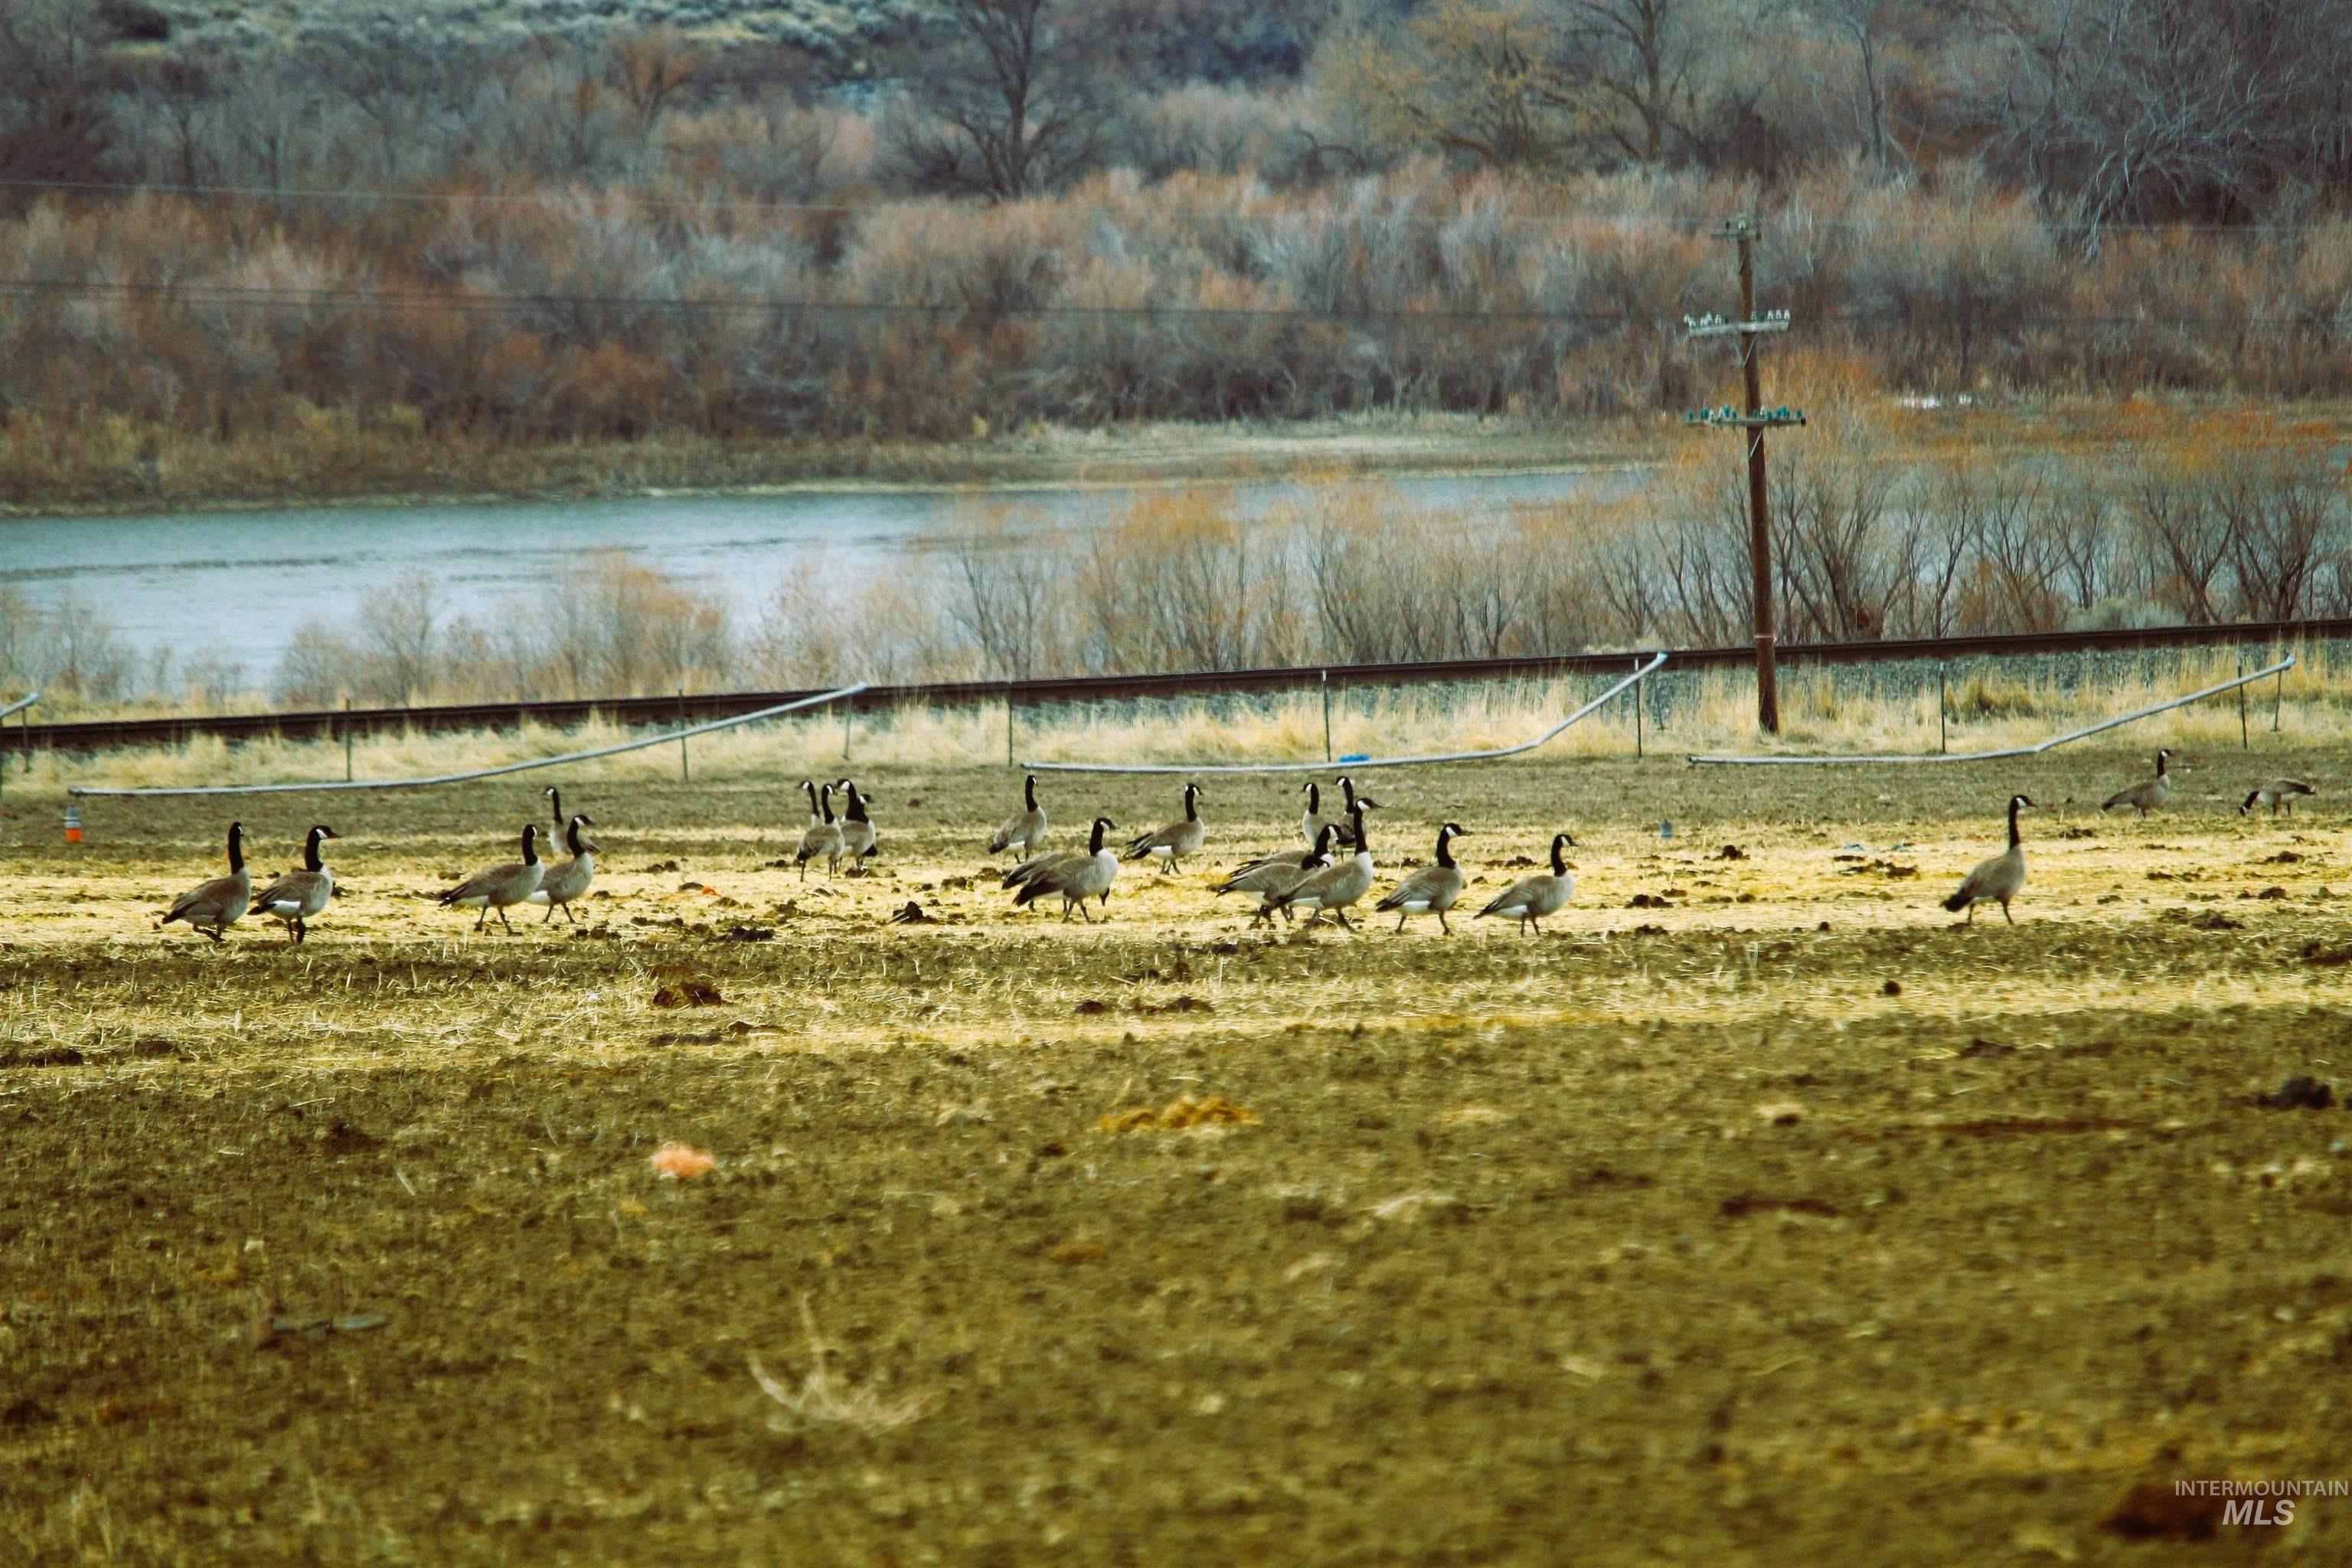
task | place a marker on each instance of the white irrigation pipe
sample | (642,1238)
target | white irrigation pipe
(2032,751)
(1632,679)
(20,704)
(661,740)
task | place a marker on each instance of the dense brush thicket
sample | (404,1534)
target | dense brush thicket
(979,214)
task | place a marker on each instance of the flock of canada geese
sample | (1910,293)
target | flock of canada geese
(1333,875)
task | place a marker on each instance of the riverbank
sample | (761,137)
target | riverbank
(114,467)
(329,458)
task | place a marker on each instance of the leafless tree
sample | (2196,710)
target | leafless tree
(1638,55)
(2284,512)
(1011,112)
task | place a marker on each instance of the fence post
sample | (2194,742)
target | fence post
(347,739)
(2245,744)
(1008,724)
(1635,692)
(1326,715)
(2278,695)
(685,767)
(1943,706)
(848,713)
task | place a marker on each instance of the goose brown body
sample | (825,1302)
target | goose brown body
(1433,889)
(567,881)
(502,887)
(1530,899)
(2148,793)
(295,898)
(215,906)
(1179,838)
(1997,879)
(1272,876)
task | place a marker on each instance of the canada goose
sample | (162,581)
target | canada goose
(1343,832)
(2275,794)
(1431,889)
(221,902)
(1177,839)
(1075,877)
(856,829)
(825,838)
(1274,875)
(501,887)
(1025,829)
(1530,899)
(1999,879)
(568,882)
(555,809)
(815,820)
(1332,890)
(2146,796)
(296,896)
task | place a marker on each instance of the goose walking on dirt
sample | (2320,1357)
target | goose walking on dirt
(1177,839)
(857,837)
(1075,879)
(567,882)
(1025,830)
(1338,886)
(823,839)
(1433,889)
(2275,794)
(220,904)
(2148,793)
(1530,899)
(295,898)
(502,887)
(1272,876)
(1999,880)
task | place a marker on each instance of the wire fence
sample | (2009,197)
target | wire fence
(842,694)
(2034,748)
(1639,675)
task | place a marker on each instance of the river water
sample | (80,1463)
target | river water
(240,581)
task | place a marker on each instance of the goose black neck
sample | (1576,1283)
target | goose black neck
(236,847)
(571,836)
(2162,763)
(1355,816)
(1191,811)
(1029,793)
(310,860)
(1094,845)
(2013,841)
(826,799)
(1313,798)
(1446,847)
(1558,862)
(857,805)
(531,845)
(555,807)
(811,787)
(1348,787)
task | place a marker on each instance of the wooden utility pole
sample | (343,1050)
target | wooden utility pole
(1754,418)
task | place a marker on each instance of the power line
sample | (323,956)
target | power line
(372,300)
(1785,217)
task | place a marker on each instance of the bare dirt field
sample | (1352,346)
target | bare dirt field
(1772,1219)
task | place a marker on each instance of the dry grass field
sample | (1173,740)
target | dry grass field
(1773,1217)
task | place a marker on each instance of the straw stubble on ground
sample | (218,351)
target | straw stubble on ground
(1774,1216)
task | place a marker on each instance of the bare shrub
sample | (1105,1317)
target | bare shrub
(825,1398)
